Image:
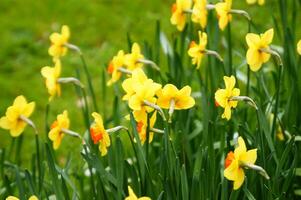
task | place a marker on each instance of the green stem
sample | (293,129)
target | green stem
(88,76)
(277,100)
(229,49)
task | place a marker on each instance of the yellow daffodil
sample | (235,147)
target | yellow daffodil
(56,132)
(199,13)
(132,60)
(197,51)
(223,10)
(115,64)
(99,134)
(260,2)
(141,119)
(299,47)
(223,96)
(58,43)
(178,10)
(132,195)
(129,85)
(181,98)
(235,162)
(51,75)
(33,197)
(144,92)
(258,45)
(12,120)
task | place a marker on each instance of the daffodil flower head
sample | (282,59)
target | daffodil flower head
(140,117)
(115,64)
(56,133)
(235,162)
(132,195)
(51,75)
(178,16)
(129,85)
(33,197)
(223,96)
(12,120)
(131,60)
(260,2)
(197,51)
(144,92)
(256,55)
(223,10)
(182,98)
(99,134)
(299,47)
(199,13)
(58,42)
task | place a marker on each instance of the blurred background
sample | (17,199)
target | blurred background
(99,28)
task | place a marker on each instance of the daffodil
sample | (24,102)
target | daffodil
(132,60)
(299,47)
(223,97)
(235,163)
(33,197)
(113,68)
(51,75)
(58,128)
(129,85)
(16,115)
(141,119)
(223,10)
(197,51)
(260,2)
(178,10)
(257,53)
(132,195)
(170,95)
(199,13)
(58,43)
(99,134)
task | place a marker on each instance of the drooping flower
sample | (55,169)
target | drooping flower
(56,132)
(181,98)
(258,46)
(132,195)
(132,60)
(199,13)
(99,134)
(260,2)
(140,117)
(58,43)
(235,163)
(223,96)
(33,197)
(197,51)
(13,119)
(223,10)
(178,16)
(115,64)
(299,47)
(51,75)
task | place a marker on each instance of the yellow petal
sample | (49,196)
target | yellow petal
(299,47)
(18,129)
(20,102)
(29,108)
(251,1)
(229,82)
(227,113)
(4,123)
(33,197)
(267,37)
(54,37)
(249,157)
(241,148)
(11,198)
(135,102)
(261,2)
(132,195)
(239,180)
(65,32)
(253,40)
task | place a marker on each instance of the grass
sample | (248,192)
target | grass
(187,161)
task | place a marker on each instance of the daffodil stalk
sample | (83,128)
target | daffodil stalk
(73,80)
(88,76)
(257,168)
(149,62)
(124,70)
(171,109)
(71,133)
(242,13)
(29,122)
(214,53)
(246,99)
(156,107)
(117,128)
(156,130)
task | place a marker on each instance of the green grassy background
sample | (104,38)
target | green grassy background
(99,28)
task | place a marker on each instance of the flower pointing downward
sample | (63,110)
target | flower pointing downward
(58,43)
(178,16)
